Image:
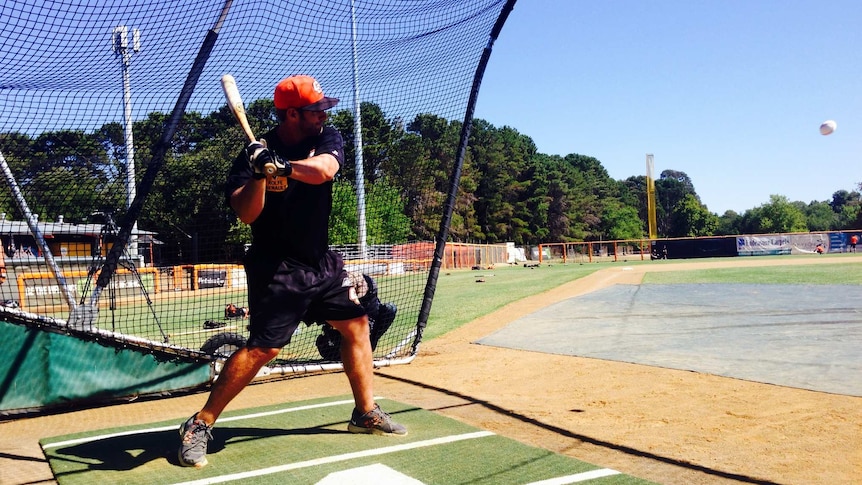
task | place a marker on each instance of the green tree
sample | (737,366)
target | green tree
(564,222)
(261,114)
(344,219)
(729,223)
(422,168)
(671,189)
(409,169)
(66,173)
(378,134)
(385,220)
(591,187)
(679,210)
(538,199)
(850,217)
(552,201)
(777,216)
(819,216)
(501,157)
(187,205)
(387,223)
(841,198)
(15,148)
(621,222)
(66,149)
(633,193)
(848,209)
(694,218)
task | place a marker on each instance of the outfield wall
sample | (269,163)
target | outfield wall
(698,247)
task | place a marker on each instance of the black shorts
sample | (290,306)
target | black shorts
(281,295)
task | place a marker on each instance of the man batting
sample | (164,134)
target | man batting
(290,269)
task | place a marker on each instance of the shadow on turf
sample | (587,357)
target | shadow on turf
(586,439)
(123,453)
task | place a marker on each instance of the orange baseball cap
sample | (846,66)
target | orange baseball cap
(302,92)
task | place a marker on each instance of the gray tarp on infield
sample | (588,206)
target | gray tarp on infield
(803,336)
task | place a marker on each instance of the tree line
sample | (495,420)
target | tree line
(508,192)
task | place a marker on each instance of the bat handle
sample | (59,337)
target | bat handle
(270,169)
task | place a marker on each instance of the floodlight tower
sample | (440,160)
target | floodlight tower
(121,48)
(357,145)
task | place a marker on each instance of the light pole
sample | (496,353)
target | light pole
(357,146)
(120,45)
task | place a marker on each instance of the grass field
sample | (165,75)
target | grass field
(461,295)
(808,274)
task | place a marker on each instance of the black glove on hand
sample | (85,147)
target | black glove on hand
(264,162)
(256,154)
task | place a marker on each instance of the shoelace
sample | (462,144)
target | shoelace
(192,432)
(375,417)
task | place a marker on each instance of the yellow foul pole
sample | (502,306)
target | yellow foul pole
(650,192)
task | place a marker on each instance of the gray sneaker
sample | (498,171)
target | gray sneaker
(375,422)
(195,434)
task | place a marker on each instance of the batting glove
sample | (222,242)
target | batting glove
(264,162)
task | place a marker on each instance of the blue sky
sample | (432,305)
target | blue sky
(730,92)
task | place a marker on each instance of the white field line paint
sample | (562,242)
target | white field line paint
(337,458)
(176,426)
(376,474)
(578,477)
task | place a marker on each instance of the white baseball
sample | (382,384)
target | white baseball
(827,127)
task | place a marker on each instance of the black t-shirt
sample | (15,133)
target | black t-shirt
(294,223)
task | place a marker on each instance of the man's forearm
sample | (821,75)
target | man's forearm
(315,170)
(247,201)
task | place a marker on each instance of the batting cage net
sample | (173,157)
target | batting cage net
(116,140)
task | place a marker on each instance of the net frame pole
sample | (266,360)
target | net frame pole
(449,207)
(362,229)
(32,223)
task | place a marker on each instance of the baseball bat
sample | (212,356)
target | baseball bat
(234,101)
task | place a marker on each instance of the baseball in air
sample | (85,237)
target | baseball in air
(827,127)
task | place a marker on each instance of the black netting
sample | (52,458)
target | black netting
(72,73)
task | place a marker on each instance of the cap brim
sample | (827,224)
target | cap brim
(322,105)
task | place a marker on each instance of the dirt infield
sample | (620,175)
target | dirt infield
(669,426)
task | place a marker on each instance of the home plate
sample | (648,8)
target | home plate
(377,474)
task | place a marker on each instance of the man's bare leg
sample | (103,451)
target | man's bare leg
(238,371)
(358,360)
